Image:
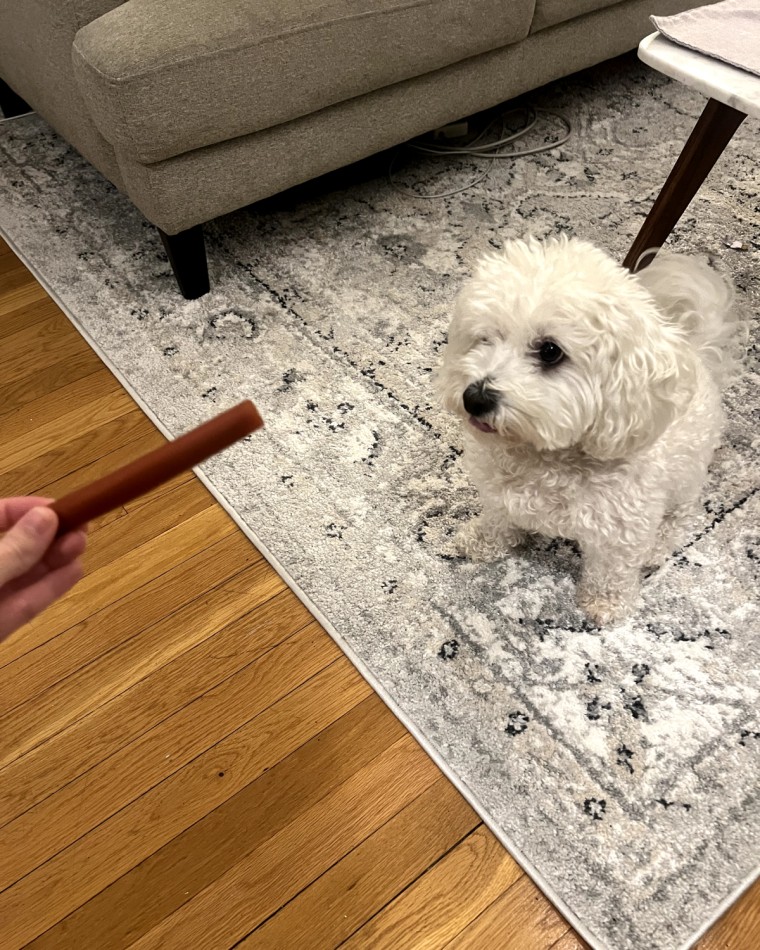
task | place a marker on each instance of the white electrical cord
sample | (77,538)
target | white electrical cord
(492,151)
(11,118)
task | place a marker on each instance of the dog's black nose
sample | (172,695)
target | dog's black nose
(480,399)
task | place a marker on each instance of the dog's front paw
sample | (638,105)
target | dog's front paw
(470,543)
(480,540)
(603,609)
(672,532)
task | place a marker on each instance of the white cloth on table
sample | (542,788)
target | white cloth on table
(729,31)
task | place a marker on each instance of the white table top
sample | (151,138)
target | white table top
(728,84)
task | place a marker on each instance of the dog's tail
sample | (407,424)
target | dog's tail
(690,294)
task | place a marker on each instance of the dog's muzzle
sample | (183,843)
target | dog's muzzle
(479,399)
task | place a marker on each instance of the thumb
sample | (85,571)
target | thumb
(26,543)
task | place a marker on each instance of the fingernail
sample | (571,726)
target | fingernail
(38,519)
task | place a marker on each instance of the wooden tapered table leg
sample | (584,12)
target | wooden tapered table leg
(704,147)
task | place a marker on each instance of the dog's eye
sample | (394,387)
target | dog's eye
(550,353)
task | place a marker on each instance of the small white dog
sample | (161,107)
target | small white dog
(592,403)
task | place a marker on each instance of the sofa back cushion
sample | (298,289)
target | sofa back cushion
(35,60)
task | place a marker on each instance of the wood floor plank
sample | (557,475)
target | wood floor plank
(32,476)
(144,439)
(14,317)
(477,871)
(37,347)
(78,645)
(115,782)
(739,927)
(140,438)
(305,848)
(75,408)
(367,878)
(71,878)
(570,941)
(116,580)
(182,868)
(119,536)
(27,725)
(44,382)
(22,297)
(23,447)
(11,267)
(137,702)
(519,919)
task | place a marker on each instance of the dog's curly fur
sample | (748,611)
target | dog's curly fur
(609,445)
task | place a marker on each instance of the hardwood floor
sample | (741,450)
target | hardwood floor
(186,758)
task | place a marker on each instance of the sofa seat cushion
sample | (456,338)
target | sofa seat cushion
(162,78)
(551,12)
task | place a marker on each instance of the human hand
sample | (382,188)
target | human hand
(35,567)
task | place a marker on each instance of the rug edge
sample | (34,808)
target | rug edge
(722,908)
(567,913)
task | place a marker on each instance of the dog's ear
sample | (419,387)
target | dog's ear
(646,380)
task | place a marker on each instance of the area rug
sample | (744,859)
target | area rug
(620,767)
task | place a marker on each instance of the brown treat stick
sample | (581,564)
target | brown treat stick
(145,473)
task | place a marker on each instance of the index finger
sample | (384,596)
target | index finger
(12,509)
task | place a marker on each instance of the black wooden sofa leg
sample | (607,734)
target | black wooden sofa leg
(187,255)
(11,104)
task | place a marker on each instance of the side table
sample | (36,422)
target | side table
(732,93)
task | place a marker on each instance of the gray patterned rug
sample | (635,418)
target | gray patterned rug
(619,767)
